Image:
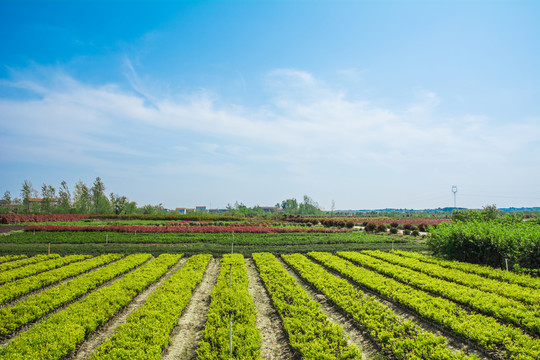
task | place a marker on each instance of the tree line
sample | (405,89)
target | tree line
(83,200)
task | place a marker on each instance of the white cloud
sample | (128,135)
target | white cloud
(307,130)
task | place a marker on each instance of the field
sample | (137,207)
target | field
(317,305)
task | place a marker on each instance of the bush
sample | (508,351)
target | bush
(415,233)
(370,227)
(488,243)
(393,230)
(406,232)
(381,228)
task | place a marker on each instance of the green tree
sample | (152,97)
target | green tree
(309,207)
(6,202)
(97,193)
(48,197)
(65,198)
(27,192)
(290,206)
(118,203)
(153,209)
(131,208)
(82,199)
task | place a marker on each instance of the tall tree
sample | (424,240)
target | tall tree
(27,192)
(48,198)
(309,207)
(7,197)
(97,192)
(289,206)
(6,206)
(118,203)
(65,198)
(82,198)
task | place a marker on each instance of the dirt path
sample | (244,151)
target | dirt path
(354,334)
(275,342)
(99,336)
(186,335)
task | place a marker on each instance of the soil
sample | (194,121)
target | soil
(99,336)
(275,342)
(188,332)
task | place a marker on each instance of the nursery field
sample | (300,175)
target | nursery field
(317,305)
(191,243)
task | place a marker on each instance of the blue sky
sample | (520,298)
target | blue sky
(371,104)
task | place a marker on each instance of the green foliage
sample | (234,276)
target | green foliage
(501,307)
(397,337)
(59,334)
(488,242)
(484,271)
(22,286)
(38,267)
(146,332)
(310,331)
(489,213)
(230,297)
(37,305)
(484,330)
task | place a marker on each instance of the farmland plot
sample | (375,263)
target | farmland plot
(348,305)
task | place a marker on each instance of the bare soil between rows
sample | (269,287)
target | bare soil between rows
(188,332)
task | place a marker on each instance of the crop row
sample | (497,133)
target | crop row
(8,258)
(484,330)
(39,267)
(35,306)
(482,270)
(397,336)
(212,229)
(26,261)
(310,332)
(59,335)
(23,218)
(146,331)
(501,307)
(178,238)
(14,289)
(514,291)
(232,305)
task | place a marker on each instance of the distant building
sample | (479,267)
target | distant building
(216,211)
(269,209)
(200,208)
(40,200)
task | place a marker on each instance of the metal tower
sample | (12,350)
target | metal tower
(454,190)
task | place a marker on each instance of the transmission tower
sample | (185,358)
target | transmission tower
(454,190)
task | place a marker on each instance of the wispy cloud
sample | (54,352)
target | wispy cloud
(307,130)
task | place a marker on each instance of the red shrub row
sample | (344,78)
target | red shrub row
(21,218)
(181,229)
